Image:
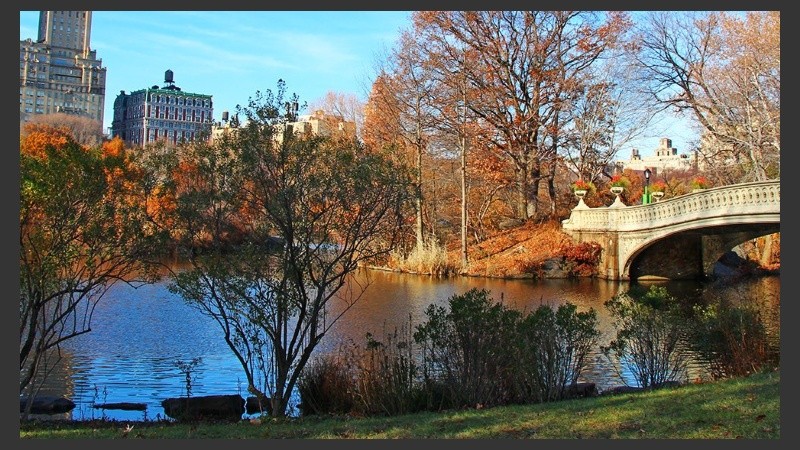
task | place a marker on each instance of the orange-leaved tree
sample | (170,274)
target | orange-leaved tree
(79,234)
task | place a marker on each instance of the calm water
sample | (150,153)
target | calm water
(138,334)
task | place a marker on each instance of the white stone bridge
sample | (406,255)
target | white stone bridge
(680,237)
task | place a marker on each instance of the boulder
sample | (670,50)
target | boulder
(252,406)
(122,406)
(47,405)
(622,390)
(209,407)
(581,390)
(553,268)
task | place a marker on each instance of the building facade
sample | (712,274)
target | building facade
(59,72)
(666,157)
(164,113)
(318,123)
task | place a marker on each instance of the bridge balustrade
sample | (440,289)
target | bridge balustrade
(700,222)
(745,198)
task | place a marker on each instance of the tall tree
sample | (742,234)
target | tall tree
(527,64)
(273,230)
(81,231)
(406,96)
(724,69)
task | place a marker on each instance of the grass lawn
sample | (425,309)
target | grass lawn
(737,408)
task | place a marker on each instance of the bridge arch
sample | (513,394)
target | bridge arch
(691,252)
(681,237)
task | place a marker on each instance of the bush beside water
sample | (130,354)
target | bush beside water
(478,353)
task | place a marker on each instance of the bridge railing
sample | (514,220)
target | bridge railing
(746,198)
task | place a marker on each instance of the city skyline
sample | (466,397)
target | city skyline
(232,54)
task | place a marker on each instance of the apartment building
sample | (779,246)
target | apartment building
(665,157)
(59,72)
(318,123)
(165,113)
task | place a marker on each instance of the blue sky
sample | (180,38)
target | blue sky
(232,54)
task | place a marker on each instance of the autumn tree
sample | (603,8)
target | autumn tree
(273,230)
(527,64)
(35,139)
(80,233)
(723,68)
(85,130)
(405,97)
(608,112)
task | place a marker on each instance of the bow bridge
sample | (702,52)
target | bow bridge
(677,238)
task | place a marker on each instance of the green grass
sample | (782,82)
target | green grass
(746,408)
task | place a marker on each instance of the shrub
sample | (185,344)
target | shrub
(620,181)
(581,185)
(474,353)
(466,347)
(554,347)
(581,260)
(650,336)
(700,182)
(658,186)
(733,340)
(325,385)
(387,376)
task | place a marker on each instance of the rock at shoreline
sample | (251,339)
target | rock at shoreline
(123,406)
(252,406)
(213,407)
(47,405)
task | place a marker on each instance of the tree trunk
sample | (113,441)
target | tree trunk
(463,202)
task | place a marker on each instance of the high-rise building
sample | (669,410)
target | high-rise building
(60,73)
(161,113)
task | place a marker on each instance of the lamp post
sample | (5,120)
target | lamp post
(646,195)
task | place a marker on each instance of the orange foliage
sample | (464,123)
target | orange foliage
(37,137)
(113,147)
(512,252)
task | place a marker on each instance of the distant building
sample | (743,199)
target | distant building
(60,73)
(224,127)
(666,157)
(319,123)
(162,113)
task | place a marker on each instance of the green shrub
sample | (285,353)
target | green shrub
(466,348)
(554,349)
(650,336)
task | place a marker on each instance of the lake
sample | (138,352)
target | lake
(139,334)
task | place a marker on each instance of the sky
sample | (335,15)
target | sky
(231,55)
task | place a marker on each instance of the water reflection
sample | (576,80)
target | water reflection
(138,334)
